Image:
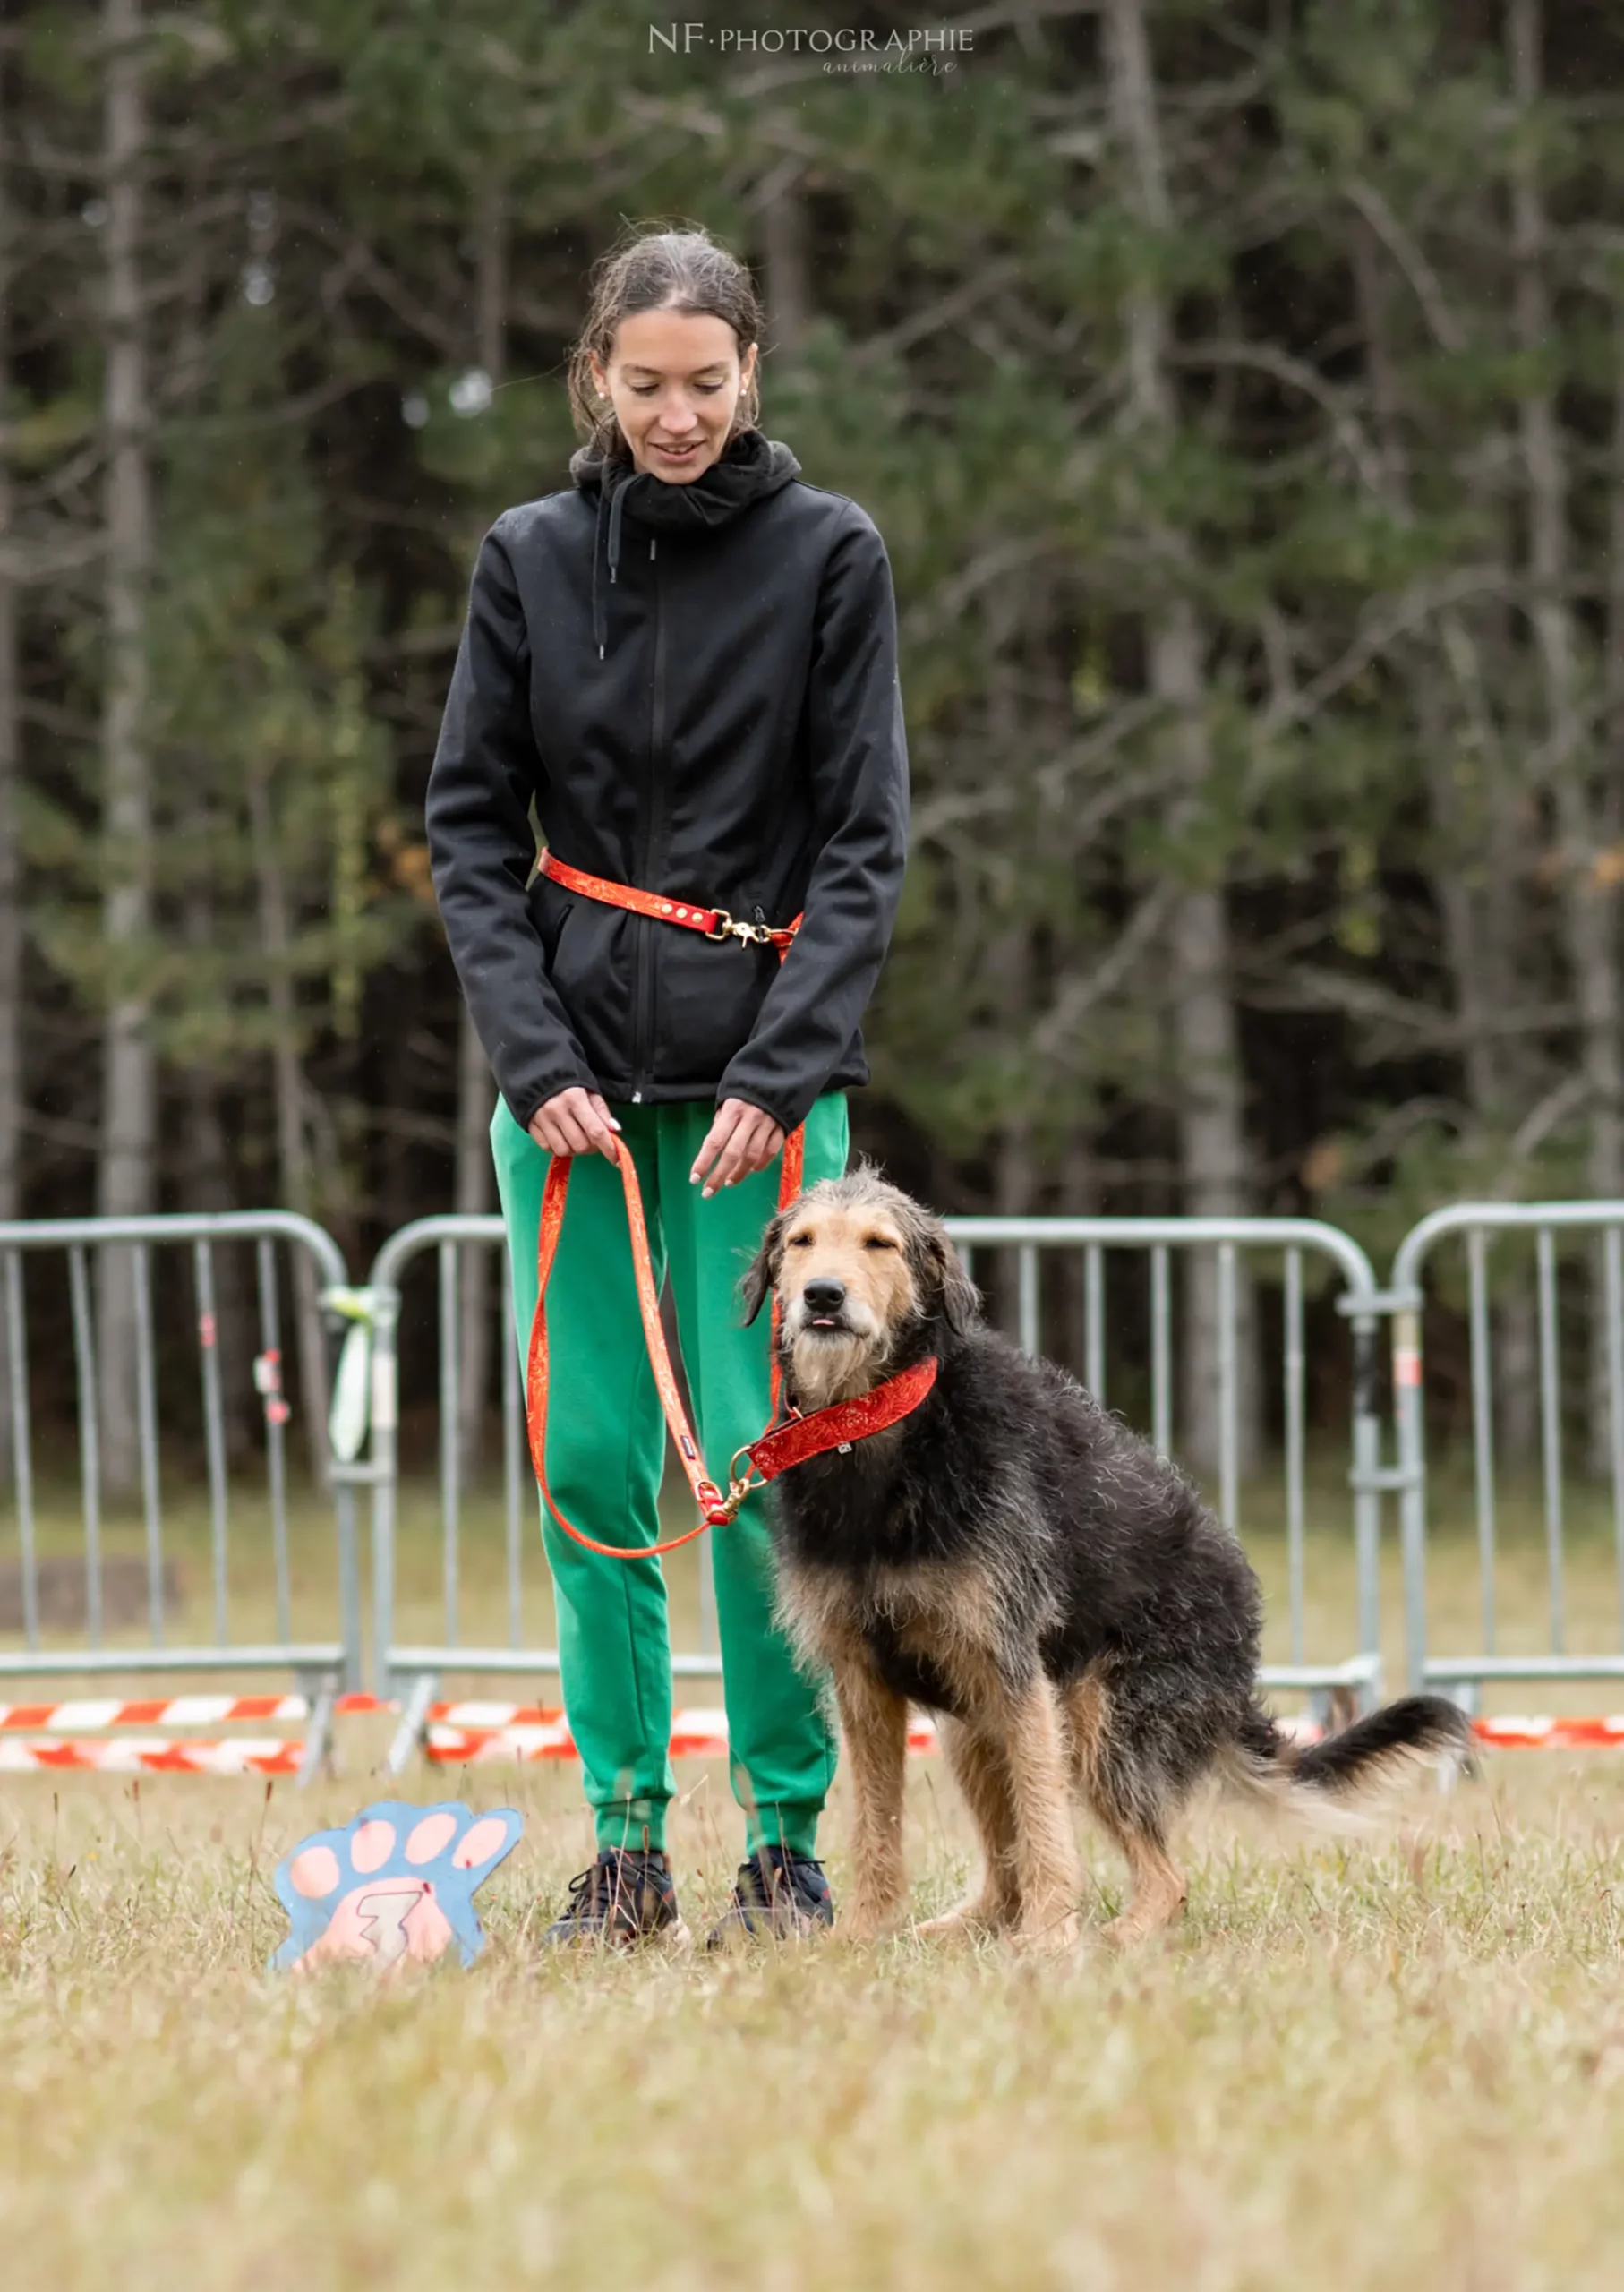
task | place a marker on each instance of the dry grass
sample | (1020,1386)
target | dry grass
(1378,2065)
(1383,2066)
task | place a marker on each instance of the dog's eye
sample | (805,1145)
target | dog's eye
(798,1241)
(878,1242)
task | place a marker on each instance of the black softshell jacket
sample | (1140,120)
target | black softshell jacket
(697,687)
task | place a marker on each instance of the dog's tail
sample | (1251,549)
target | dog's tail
(1322,1782)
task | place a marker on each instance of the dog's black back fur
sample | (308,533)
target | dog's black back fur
(1098,1547)
(1094,1554)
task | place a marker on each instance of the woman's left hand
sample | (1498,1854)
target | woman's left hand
(741,1140)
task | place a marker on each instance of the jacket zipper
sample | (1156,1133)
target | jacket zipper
(655,814)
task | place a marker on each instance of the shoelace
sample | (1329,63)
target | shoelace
(602,1887)
(760,1890)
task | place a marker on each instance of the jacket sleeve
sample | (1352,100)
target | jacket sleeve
(482,847)
(858,762)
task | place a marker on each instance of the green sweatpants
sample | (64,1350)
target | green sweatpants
(605,1452)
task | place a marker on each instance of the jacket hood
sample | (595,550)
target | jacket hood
(751,467)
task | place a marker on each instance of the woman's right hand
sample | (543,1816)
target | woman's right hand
(574,1121)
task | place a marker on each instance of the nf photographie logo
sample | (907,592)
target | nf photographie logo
(927,49)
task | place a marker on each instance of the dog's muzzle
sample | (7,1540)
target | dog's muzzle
(823,1305)
(826,1309)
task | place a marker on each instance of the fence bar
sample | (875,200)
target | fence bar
(95,1249)
(1550,1427)
(1161,1349)
(1294,1383)
(90,1440)
(383,1424)
(1228,1392)
(1366,1477)
(22,1455)
(511,1454)
(1027,1297)
(1094,1320)
(214,1427)
(1613,1279)
(276,1437)
(450,1366)
(146,1402)
(401,1665)
(1483,1422)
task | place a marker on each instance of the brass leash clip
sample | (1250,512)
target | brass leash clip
(754,935)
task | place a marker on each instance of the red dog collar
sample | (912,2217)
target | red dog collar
(841,1424)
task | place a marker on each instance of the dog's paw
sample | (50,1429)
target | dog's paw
(971,1920)
(1130,1932)
(858,1923)
(1050,1937)
(395,1884)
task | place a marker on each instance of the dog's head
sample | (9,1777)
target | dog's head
(859,1266)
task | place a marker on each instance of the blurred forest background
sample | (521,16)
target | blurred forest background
(1239,389)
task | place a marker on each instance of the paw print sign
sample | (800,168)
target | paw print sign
(397,1883)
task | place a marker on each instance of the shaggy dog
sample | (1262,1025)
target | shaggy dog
(1030,1571)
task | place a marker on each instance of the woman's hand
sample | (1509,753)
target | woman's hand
(741,1140)
(574,1121)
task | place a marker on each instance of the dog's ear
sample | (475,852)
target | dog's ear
(762,1274)
(945,1287)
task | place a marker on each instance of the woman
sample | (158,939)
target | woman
(687,665)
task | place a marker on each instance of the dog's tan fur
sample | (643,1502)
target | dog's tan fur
(1012,1586)
(864,1246)
(1013,1757)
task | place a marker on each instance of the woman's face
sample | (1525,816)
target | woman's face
(675,381)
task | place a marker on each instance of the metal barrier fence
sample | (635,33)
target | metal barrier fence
(415,1668)
(321,1666)
(366,1416)
(1602,1224)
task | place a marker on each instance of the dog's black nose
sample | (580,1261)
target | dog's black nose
(825,1297)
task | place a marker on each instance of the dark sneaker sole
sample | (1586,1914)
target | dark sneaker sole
(737,1934)
(673,1939)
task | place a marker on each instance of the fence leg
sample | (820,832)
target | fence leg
(1367,1498)
(414,1720)
(318,1749)
(1459,1766)
(1413,1494)
(385,1464)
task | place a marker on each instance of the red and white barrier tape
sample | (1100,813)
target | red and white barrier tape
(151,1755)
(1543,1733)
(545,1734)
(473,1733)
(89,1715)
(1548,1734)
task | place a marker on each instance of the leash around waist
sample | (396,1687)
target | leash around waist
(779,1446)
(715,922)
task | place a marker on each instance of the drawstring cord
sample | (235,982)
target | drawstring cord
(614,501)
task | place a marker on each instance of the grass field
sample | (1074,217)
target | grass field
(1392,2066)
(1392,2063)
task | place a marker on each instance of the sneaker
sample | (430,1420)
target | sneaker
(777,1894)
(626,1896)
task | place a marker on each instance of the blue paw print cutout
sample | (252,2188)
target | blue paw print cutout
(398,1883)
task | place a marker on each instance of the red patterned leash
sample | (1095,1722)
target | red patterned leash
(775,1450)
(715,922)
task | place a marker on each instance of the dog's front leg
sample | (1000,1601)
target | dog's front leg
(978,1765)
(874,1726)
(1047,1870)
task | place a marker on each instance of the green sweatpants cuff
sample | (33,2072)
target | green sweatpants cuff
(633,1824)
(790,1823)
